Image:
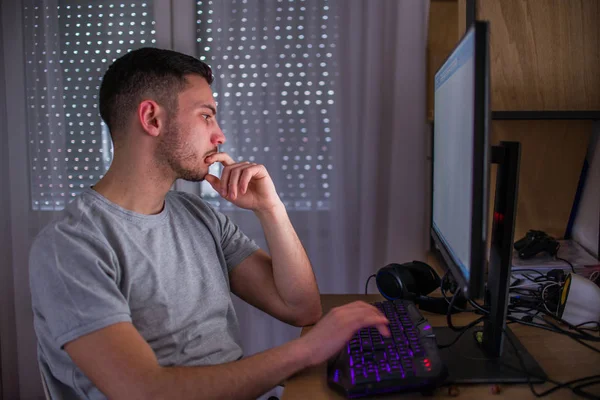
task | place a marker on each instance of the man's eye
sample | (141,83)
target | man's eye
(206,117)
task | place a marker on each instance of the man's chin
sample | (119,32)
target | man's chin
(193,176)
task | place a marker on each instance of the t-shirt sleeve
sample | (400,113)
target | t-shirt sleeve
(235,244)
(74,283)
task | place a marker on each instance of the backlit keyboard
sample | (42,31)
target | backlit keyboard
(407,361)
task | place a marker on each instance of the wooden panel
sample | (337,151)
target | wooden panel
(443,24)
(462,18)
(552,154)
(544,53)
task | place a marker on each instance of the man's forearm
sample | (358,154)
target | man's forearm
(292,272)
(244,379)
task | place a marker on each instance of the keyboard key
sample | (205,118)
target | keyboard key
(391,375)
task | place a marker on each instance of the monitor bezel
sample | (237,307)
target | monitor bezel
(474,286)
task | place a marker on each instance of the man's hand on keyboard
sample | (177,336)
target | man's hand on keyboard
(336,328)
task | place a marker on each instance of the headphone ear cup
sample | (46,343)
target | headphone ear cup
(427,280)
(395,282)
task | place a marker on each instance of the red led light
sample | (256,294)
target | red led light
(499,218)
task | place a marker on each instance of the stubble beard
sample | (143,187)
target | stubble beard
(178,156)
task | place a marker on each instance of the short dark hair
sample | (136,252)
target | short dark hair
(145,72)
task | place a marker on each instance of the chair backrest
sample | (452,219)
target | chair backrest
(46,392)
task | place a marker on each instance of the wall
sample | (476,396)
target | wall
(8,354)
(587,222)
(441,40)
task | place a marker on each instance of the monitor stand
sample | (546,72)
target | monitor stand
(492,360)
(467,361)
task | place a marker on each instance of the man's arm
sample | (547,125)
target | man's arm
(123,366)
(284,284)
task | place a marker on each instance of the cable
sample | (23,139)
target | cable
(518,271)
(567,261)
(586,335)
(571,326)
(544,292)
(529,284)
(580,326)
(367,284)
(577,390)
(462,331)
(573,336)
(580,335)
(478,307)
(556,329)
(519,321)
(445,296)
(536,279)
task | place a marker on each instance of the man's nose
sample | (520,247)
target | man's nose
(218,137)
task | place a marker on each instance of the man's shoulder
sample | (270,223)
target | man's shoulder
(75,223)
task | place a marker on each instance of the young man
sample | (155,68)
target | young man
(131,288)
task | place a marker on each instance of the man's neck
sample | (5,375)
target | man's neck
(140,187)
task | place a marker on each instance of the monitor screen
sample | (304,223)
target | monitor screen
(459,191)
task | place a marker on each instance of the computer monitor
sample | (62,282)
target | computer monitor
(462,158)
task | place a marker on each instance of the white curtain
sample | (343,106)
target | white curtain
(378,202)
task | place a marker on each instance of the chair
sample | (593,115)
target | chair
(45,386)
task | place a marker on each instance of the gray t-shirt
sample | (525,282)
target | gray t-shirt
(167,274)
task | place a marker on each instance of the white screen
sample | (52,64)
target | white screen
(453,152)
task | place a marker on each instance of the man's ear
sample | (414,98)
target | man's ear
(151,116)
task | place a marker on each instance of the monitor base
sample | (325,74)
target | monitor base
(467,362)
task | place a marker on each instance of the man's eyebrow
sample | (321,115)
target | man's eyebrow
(209,106)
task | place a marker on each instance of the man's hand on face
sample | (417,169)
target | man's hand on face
(247,185)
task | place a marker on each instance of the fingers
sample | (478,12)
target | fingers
(231,178)
(223,158)
(235,177)
(375,318)
(384,329)
(361,315)
(246,176)
(214,182)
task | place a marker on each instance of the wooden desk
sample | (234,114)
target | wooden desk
(562,359)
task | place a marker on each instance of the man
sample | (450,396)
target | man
(131,288)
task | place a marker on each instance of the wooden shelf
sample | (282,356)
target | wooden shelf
(552,155)
(545,94)
(544,54)
(546,115)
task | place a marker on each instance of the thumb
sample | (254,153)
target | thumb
(213,181)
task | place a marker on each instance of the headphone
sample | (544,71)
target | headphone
(414,281)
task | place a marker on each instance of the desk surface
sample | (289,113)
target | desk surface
(562,359)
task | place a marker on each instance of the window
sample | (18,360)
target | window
(68,48)
(274,64)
